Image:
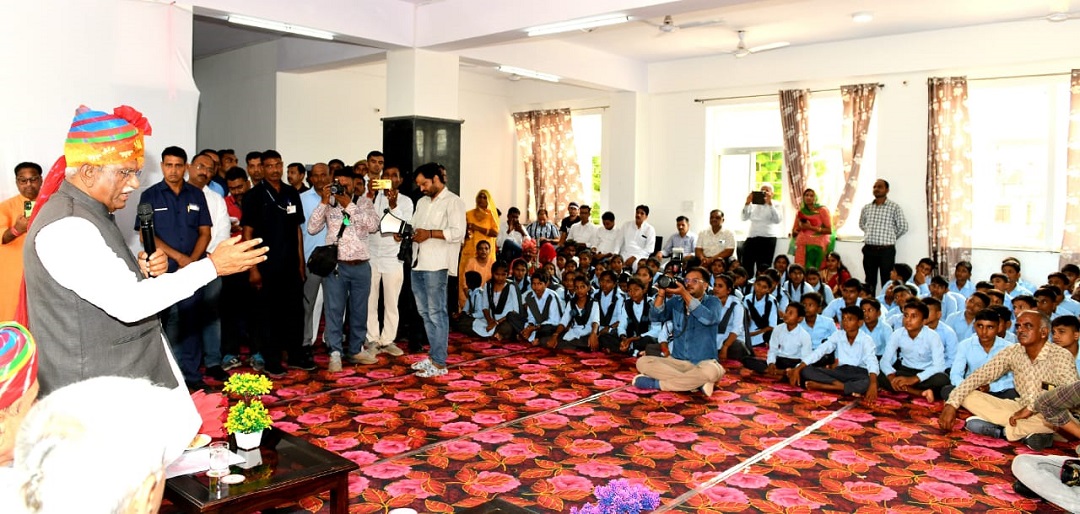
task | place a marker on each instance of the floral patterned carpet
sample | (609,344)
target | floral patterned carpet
(542,428)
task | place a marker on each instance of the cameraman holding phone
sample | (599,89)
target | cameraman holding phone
(14,221)
(695,317)
(765,227)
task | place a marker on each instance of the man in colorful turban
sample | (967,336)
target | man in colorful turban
(18,383)
(90,307)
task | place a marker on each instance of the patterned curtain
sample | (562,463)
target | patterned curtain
(858,109)
(948,172)
(549,157)
(1070,240)
(795,119)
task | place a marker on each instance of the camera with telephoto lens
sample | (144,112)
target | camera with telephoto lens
(336,188)
(405,252)
(667,282)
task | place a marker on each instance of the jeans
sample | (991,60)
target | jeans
(429,289)
(349,283)
(389,276)
(210,317)
(312,304)
(181,329)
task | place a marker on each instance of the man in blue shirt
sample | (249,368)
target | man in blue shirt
(695,317)
(974,351)
(181,230)
(914,359)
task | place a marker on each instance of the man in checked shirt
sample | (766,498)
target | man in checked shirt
(1035,364)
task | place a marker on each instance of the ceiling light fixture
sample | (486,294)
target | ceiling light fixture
(862,17)
(280,27)
(582,24)
(522,72)
(1057,17)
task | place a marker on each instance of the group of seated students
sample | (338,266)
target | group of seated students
(923,335)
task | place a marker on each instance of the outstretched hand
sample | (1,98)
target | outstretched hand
(234,256)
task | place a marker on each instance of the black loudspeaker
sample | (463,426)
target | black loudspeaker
(409,141)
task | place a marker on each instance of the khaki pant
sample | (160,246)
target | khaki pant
(680,375)
(997,411)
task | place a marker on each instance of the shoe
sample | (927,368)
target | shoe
(981,426)
(302,361)
(644,382)
(433,371)
(230,362)
(1025,491)
(364,357)
(197,385)
(217,373)
(1039,442)
(274,370)
(390,349)
(708,388)
(335,362)
(257,362)
(419,365)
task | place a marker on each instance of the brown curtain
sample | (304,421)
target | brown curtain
(858,109)
(549,157)
(1070,240)
(795,119)
(948,172)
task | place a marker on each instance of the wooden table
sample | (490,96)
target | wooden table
(291,469)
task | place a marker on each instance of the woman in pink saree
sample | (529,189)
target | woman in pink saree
(812,232)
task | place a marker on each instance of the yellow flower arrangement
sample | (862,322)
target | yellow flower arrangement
(248,384)
(248,418)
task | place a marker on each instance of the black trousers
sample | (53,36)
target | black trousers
(935,382)
(280,316)
(757,254)
(854,378)
(877,262)
(759,365)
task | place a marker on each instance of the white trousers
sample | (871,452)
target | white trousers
(388,278)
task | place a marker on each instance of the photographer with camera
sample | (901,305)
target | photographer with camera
(348,217)
(764,217)
(695,317)
(387,273)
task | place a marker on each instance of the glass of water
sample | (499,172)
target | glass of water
(219,459)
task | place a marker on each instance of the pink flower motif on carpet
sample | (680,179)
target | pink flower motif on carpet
(570,483)
(492,482)
(897,428)
(313,418)
(381,403)
(728,495)
(434,417)
(656,448)
(520,395)
(277,414)
(843,425)
(851,458)
(380,374)
(662,418)
(942,491)
(352,381)
(819,397)
(867,492)
(410,395)
(380,419)
(789,497)
(408,486)
(585,376)
(488,418)
(914,453)
(723,419)
(289,392)
(677,435)
(669,398)
(517,450)
(578,410)
(464,396)
(361,458)
(533,368)
(737,409)
(287,426)
(493,437)
(810,444)
(390,446)
(788,455)
(386,470)
(609,383)
(598,469)
(954,476)
(586,447)
(596,363)
(542,403)
(773,420)
(857,416)
(462,447)
(624,396)
(337,444)
(460,428)
(983,440)
(357,484)
(603,421)
(979,452)
(710,448)
(487,377)
(464,384)
(551,420)
(773,396)
(747,480)
(1003,492)
(566,395)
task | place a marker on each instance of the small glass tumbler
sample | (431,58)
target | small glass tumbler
(219,459)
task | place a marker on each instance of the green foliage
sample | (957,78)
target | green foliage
(596,212)
(248,385)
(248,418)
(769,169)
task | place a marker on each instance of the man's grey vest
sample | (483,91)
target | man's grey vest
(77,340)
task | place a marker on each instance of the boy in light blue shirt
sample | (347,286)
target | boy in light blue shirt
(856,369)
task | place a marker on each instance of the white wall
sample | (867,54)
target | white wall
(237,108)
(139,55)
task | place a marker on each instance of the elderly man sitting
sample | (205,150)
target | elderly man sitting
(100,445)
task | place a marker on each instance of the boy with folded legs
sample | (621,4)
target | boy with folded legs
(856,369)
(788,346)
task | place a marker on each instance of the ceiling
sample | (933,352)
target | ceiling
(479,24)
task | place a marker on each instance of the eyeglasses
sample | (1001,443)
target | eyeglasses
(25,181)
(693,280)
(127,173)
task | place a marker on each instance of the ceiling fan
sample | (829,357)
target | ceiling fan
(668,25)
(741,50)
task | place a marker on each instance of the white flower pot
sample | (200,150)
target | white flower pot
(248,441)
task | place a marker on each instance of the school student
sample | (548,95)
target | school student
(856,366)
(542,310)
(580,323)
(500,306)
(787,347)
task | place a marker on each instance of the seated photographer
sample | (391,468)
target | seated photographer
(578,328)
(694,316)
(543,310)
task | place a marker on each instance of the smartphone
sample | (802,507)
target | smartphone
(381,183)
(757,197)
(28,208)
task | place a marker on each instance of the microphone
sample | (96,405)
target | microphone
(386,211)
(146,228)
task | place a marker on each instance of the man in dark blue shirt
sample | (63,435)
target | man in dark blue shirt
(181,230)
(694,318)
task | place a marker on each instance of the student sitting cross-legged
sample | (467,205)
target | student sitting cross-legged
(639,333)
(580,321)
(694,316)
(761,309)
(730,334)
(471,310)
(819,327)
(500,306)
(789,345)
(914,359)
(609,302)
(856,369)
(543,310)
(974,351)
(874,326)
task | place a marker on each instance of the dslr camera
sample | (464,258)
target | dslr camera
(405,251)
(667,282)
(336,188)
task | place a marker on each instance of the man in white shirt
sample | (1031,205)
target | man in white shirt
(386,269)
(512,236)
(715,242)
(583,232)
(438,230)
(638,237)
(608,239)
(765,221)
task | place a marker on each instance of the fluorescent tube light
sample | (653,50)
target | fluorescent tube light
(582,24)
(280,27)
(522,72)
(862,17)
